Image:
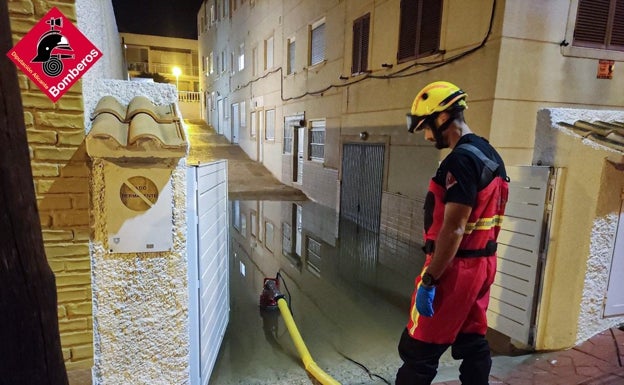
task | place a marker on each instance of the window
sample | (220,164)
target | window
(290,65)
(254,61)
(269,125)
(287,244)
(288,138)
(223,62)
(419,33)
(243,224)
(317,43)
(243,114)
(314,256)
(236,215)
(600,24)
(361,28)
(316,146)
(268,51)
(291,124)
(232,64)
(241,57)
(269,234)
(210,63)
(254,124)
(254,224)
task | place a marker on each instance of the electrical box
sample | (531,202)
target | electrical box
(138,207)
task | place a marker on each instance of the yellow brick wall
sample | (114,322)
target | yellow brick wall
(59,164)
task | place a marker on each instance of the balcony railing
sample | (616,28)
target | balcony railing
(162,68)
(189,97)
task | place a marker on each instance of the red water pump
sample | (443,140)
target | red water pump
(270,294)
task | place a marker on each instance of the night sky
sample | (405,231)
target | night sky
(158,17)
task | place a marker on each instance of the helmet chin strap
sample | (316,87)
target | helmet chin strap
(438,130)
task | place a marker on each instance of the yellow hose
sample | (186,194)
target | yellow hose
(308,362)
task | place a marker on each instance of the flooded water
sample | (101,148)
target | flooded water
(349,291)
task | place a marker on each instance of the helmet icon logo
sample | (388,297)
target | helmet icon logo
(51,47)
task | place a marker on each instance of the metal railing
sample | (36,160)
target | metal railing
(189,96)
(162,68)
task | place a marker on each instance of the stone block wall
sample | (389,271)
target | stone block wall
(56,135)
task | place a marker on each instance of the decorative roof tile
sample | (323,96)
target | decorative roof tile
(609,134)
(139,130)
(139,104)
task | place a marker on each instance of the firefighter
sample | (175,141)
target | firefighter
(463,213)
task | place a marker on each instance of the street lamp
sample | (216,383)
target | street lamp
(177,72)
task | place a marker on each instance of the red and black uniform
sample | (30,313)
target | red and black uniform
(472,174)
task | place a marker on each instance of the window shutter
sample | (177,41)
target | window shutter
(617,33)
(357,43)
(359,58)
(364,47)
(317,49)
(407,30)
(430,24)
(591,23)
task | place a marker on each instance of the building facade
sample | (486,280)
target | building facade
(331,72)
(173,60)
(317,91)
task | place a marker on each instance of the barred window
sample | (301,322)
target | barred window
(316,146)
(288,139)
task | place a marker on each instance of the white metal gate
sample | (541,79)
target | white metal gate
(208,251)
(614,304)
(522,245)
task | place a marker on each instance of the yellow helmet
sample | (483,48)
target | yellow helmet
(432,99)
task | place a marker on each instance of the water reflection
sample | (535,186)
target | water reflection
(349,290)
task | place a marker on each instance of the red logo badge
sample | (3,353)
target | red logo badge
(54,54)
(450,180)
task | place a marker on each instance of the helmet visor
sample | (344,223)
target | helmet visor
(414,122)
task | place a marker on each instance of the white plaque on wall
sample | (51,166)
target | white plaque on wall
(139,209)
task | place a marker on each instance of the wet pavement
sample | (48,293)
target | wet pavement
(348,295)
